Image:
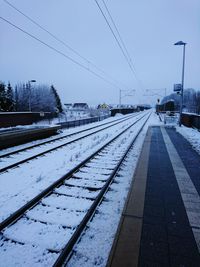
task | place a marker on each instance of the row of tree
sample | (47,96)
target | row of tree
(191,100)
(26,97)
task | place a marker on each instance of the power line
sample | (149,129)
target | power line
(59,52)
(126,55)
(131,62)
(112,32)
(60,41)
(122,42)
(41,27)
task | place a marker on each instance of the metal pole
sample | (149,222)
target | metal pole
(29,100)
(165,100)
(182,87)
(120,97)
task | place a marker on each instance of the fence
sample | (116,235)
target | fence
(191,120)
(75,123)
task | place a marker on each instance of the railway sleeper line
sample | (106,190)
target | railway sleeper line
(86,209)
(60,138)
(62,179)
(68,250)
(17,164)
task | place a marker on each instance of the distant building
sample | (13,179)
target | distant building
(103,106)
(80,106)
(77,110)
(68,106)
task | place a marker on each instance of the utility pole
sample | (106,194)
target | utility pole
(120,97)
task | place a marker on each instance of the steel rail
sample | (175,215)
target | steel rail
(66,253)
(59,138)
(57,147)
(30,204)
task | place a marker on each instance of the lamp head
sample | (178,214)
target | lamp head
(180,43)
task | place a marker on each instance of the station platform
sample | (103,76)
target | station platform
(160,224)
(14,137)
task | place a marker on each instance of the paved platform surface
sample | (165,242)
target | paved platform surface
(160,224)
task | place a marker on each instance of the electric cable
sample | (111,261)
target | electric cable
(60,41)
(120,37)
(112,32)
(59,52)
(126,55)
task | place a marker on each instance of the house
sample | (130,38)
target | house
(68,106)
(80,106)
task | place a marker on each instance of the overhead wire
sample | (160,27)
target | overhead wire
(58,51)
(120,37)
(121,45)
(113,33)
(61,41)
(41,27)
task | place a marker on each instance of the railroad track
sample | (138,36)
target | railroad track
(55,147)
(7,154)
(64,208)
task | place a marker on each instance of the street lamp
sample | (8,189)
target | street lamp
(29,97)
(182,83)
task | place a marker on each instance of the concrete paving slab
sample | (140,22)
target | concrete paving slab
(160,222)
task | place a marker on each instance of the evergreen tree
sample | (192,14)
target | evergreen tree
(57,99)
(2,97)
(22,97)
(16,99)
(9,99)
(43,98)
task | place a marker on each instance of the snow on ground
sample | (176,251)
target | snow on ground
(4,162)
(62,132)
(19,185)
(192,135)
(52,235)
(94,247)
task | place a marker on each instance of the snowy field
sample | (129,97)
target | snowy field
(35,239)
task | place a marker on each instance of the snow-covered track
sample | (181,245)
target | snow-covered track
(73,184)
(49,189)
(7,154)
(109,124)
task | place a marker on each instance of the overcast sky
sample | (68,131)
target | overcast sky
(149,29)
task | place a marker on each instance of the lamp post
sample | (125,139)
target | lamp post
(29,97)
(182,81)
